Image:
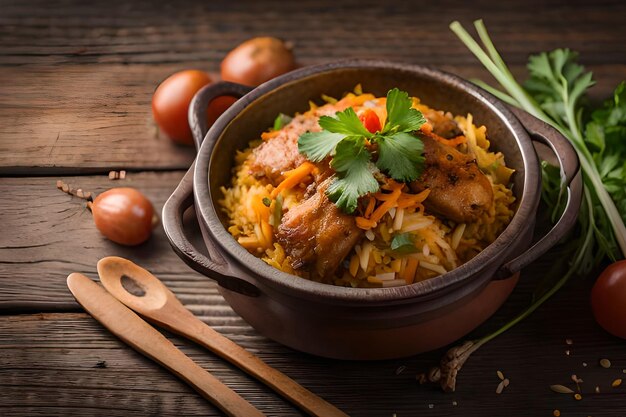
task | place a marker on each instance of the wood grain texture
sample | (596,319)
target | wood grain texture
(77,78)
(62,350)
(47,234)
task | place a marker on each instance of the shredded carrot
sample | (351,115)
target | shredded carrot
(380,211)
(365,224)
(426,128)
(409,200)
(370,206)
(293,178)
(451,142)
(261,210)
(270,135)
(409,271)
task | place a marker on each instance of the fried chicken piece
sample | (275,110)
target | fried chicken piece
(280,153)
(459,191)
(317,233)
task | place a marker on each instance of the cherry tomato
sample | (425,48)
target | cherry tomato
(370,120)
(257,60)
(218,106)
(608,299)
(124,215)
(170,103)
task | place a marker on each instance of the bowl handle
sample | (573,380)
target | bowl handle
(200,103)
(214,266)
(570,176)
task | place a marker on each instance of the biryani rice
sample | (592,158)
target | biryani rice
(440,244)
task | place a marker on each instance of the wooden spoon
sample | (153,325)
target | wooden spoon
(159,305)
(144,338)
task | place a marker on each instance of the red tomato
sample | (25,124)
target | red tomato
(170,103)
(218,106)
(608,299)
(370,120)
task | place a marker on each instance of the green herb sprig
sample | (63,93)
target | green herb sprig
(344,138)
(553,94)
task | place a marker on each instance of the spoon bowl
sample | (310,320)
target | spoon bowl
(159,305)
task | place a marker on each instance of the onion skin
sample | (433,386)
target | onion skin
(256,61)
(123,215)
(170,103)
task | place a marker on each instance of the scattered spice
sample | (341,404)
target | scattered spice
(568,341)
(556,413)
(597,389)
(421,378)
(500,375)
(67,189)
(506,382)
(561,389)
(431,405)
(576,379)
(500,387)
(567,352)
(605,363)
(585,364)
(400,369)
(616,383)
(578,397)
(454,403)
(117,175)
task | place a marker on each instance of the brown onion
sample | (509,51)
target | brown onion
(257,60)
(124,215)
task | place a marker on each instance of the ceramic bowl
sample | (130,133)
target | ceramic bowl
(364,323)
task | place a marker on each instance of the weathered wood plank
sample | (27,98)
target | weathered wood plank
(46,234)
(77,78)
(48,365)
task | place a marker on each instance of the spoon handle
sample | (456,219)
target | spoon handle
(133,330)
(198,331)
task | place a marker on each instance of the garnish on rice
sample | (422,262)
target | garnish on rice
(369,191)
(352,147)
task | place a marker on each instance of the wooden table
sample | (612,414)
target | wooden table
(75,87)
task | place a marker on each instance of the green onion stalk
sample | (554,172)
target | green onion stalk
(564,83)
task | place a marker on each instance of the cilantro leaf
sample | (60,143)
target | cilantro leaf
(352,164)
(606,136)
(318,145)
(557,82)
(346,122)
(401,116)
(401,156)
(343,136)
(403,243)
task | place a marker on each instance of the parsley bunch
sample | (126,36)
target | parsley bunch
(344,138)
